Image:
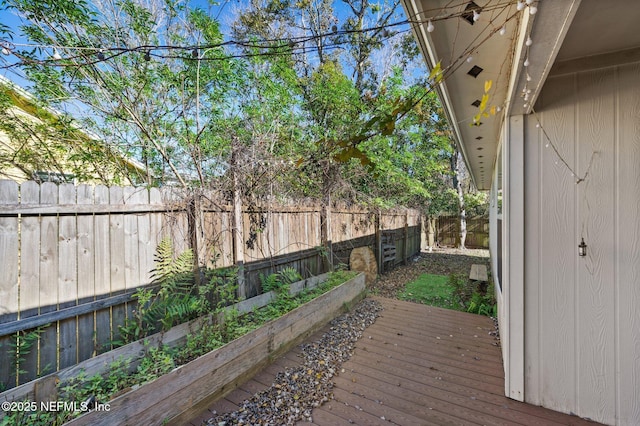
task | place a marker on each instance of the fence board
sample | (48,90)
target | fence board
(86,273)
(131,244)
(116,240)
(67,278)
(48,349)
(102,250)
(29,277)
(448,230)
(9,277)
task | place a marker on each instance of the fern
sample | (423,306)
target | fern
(271,283)
(176,300)
(172,273)
(289,275)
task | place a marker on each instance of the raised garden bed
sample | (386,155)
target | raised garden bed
(187,389)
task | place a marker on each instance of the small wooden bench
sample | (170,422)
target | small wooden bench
(478,273)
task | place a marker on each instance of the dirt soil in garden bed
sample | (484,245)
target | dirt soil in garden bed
(442,261)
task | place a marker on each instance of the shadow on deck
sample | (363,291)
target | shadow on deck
(417,365)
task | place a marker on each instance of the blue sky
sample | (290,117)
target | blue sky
(223,11)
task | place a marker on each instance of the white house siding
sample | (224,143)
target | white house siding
(582,315)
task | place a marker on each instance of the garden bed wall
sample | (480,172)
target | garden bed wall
(186,390)
(43,389)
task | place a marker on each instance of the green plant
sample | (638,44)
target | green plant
(430,289)
(176,300)
(20,346)
(160,360)
(483,304)
(156,362)
(472,297)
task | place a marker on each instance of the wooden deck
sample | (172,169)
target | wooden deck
(417,365)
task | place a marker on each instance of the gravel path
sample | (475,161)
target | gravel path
(296,391)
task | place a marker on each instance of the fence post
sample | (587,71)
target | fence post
(238,228)
(196,235)
(405,255)
(325,232)
(379,240)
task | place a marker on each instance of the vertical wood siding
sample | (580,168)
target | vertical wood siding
(582,324)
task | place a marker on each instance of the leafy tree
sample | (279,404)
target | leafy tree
(37,140)
(156,106)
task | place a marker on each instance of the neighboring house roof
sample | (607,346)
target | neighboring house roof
(561,32)
(39,143)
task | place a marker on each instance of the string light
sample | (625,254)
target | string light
(529,42)
(526,62)
(520,5)
(56,56)
(559,158)
(533,10)
(270,47)
(503,30)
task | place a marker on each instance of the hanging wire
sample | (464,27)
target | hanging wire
(549,143)
(273,47)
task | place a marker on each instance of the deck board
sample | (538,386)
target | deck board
(416,365)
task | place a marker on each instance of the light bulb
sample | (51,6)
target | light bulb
(538,125)
(526,105)
(529,42)
(529,1)
(56,55)
(430,27)
(526,62)
(533,10)
(470,58)
(476,16)
(6,51)
(528,77)
(546,145)
(520,5)
(503,30)
(499,109)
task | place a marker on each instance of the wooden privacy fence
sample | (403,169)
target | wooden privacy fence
(72,256)
(448,231)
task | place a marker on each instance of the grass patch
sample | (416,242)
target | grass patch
(452,292)
(434,290)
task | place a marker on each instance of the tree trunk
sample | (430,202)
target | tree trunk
(457,180)
(431,227)
(238,226)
